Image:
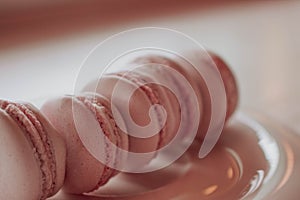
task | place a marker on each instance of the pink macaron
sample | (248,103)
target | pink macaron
(196,80)
(32,154)
(93,140)
(134,109)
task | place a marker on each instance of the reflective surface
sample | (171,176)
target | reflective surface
(254,159)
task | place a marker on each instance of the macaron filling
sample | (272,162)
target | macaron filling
(37,138)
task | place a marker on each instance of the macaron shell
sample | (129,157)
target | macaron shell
(83,170)
(111,140)
(139,108)
(192,78)
(58,147)
(197,82)
(199,86)
(37,130)
(103,107)
(167,97)
(230,86)
(20,173)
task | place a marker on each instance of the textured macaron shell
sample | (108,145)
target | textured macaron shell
(167,95)
(138,106)
(159,72)
(58,147)
(47,146)
(198,83)
(157,94)
(230,86)
(83,171)
(20,174)
(81,120)
(118,147)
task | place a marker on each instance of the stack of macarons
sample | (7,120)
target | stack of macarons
(46,150)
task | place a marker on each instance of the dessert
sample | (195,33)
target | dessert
(32,153)
(96,136)
(154,72)
(84,171)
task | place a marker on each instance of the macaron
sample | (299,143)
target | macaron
(94,141)
(134,109)
(197,82)
(32,153)
(147,78)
